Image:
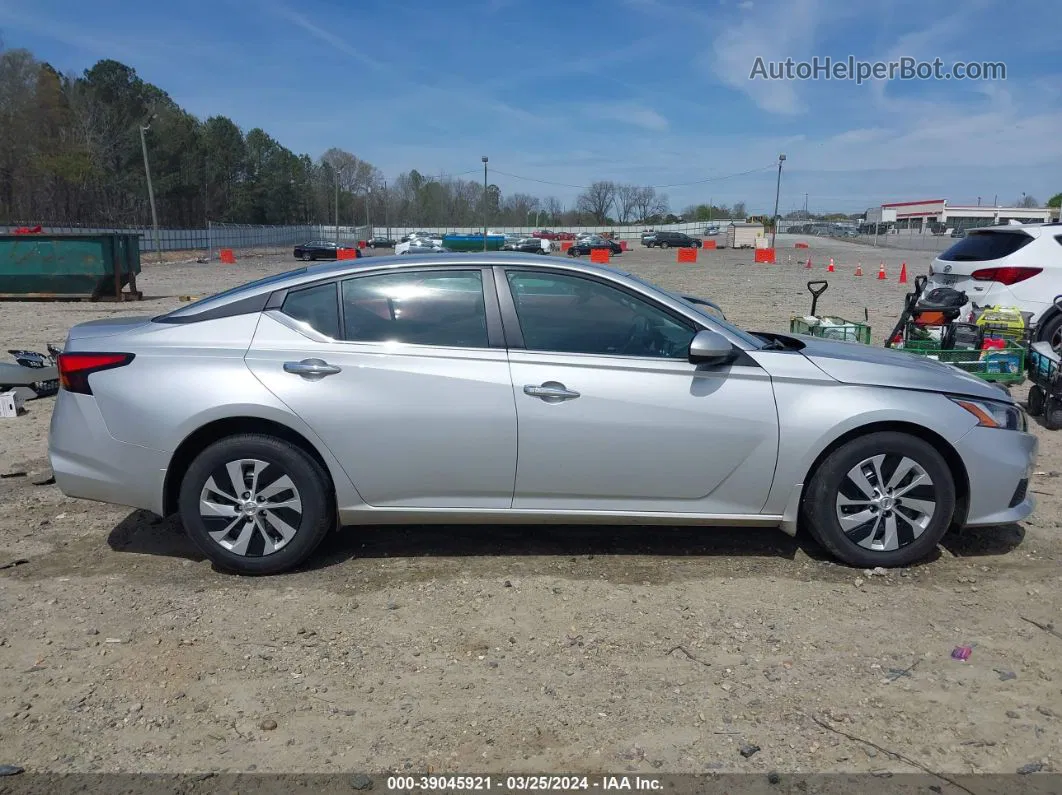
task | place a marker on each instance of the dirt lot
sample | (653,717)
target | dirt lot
(548,649)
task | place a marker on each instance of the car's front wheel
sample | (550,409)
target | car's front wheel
(256,504)
(884,499)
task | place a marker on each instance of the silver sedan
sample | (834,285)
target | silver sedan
(509,388)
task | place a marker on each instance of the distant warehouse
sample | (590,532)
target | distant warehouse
(936,216)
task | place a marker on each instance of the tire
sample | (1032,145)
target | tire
(1035,403)
(913,532)
(292,532)
(1053,414)
(1051,331)
(665,244)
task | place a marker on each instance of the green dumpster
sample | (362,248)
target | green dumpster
(69,266)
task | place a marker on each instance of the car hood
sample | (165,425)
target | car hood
(854,363)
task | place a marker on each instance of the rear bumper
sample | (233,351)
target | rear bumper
(997,463)
(90,464)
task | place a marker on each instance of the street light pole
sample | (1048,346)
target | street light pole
(337,205)
(151,191)
(484,158)
(368,226)
(777,193)
(387,207)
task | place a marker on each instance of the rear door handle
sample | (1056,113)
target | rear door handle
(551,392)
(311,369)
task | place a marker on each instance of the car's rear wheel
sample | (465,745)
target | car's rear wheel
(1052,332)
(665,244)
(884,499)
(256,504)
(1035,403)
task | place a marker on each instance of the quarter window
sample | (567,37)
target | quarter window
(421,308)
(570,314)
(316,306)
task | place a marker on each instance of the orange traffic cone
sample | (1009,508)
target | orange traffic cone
(859,269)
(881,272)
(808,266)
(829,268)
(903,273)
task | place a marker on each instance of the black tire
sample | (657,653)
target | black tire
(1051,331)
(665,244)
(916,533)
(1035,403)
(312,519)
(1053,414)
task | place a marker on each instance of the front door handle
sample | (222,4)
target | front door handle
(551,392)
(311,369)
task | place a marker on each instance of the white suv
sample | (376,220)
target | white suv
(1017,265)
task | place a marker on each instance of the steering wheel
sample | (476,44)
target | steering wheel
(639,337)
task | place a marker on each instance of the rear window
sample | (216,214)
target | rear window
(984,246)
(202,304)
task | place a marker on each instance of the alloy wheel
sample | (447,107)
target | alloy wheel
(250,507)
(885,502)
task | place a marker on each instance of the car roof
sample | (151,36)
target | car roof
(327,270)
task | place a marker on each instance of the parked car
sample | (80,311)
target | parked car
(1013,265)
(711,230)
(529,245)
(382,392)
(958,232)
(648,238)
(565,236)
(380,241)
(673,240)
(322,249)
(420,246)
(580,247)
(545,234)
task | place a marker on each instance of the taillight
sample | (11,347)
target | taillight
(1009,274)
(75,368)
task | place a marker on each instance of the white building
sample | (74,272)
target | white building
(937,215)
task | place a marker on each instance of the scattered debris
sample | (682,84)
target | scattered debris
(773,777)
(895,754)
(748,750)
(13,563)
(361,782)
(11,770)
(961,653)
(267,725)
(1005,676)
(1031,767)
(684,651)
(1049,627)
(896,673)
(48,481)
(13,474)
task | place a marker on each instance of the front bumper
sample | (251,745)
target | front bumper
(90,464)
(997,462)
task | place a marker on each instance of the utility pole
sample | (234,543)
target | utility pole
(777,193)
(337,206)
(805,206)
(151,191)
(484,158)
(387,208)
(368,226)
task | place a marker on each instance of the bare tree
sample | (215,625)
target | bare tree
(626,201)
(1027,201)
(738,211)
(644,202)
(597,200)
(552,209)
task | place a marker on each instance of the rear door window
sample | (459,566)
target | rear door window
(317,306)
(985,246)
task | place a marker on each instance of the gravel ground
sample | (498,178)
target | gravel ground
(528,649)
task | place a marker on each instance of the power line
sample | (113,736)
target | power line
(672,185)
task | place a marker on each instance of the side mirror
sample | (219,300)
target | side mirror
(710,347)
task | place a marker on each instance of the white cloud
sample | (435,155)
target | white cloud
(774,33)
(627,113)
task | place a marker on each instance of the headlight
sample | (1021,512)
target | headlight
(990,414)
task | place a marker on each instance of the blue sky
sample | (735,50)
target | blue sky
(648,91)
